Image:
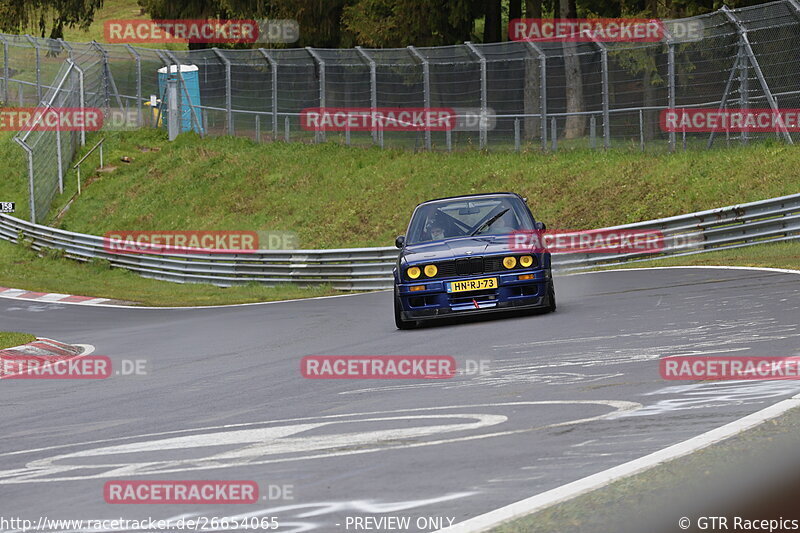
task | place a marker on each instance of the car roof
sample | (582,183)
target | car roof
(467,196)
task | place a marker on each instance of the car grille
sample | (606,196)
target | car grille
(472,266)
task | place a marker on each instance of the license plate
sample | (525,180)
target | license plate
(472,285)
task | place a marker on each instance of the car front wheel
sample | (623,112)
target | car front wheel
(551,299)
(398,317)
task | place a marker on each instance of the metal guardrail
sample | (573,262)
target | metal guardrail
(773,220)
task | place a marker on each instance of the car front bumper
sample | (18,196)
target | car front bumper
(511,294)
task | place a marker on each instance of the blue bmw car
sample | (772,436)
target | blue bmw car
(457,258)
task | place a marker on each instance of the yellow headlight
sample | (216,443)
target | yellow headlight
(526,261)
(509,262)
(431,270)
(413,272)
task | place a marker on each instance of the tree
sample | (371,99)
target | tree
(46,18)
(398,23)
(532,91)
(192,9)
(492,22)
(575,124)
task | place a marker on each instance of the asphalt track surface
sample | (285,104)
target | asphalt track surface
(563,396)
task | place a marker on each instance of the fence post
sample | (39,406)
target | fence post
(182,85)
(484,98)
(31,202)
(724,102)
(66,46)
(228,95)
(321,65)
(426,89)
(59,155)
(744,90)
(554,133)
(516,135)
(138,60)
(273,66)
(286,130)
(106,88)
(38,68)
(373,91)
(641,130)
(592,132)
(606,114)
(6,74)
(173,126)
(748,50)
(671,84)
(82,95)
(542,91)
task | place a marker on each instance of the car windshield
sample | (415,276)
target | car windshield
(447,219)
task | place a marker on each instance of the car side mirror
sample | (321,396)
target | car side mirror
(400,241)
(540,226)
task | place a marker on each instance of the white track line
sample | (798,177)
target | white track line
(560,494)
(2,295)
(566,492)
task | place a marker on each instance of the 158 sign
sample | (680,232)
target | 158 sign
(7,207)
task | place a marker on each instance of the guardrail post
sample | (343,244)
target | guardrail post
(228,96)
(748,49)
(484,95)
(554,133)
(542,91)
(321,65)
(273,66)
(373,91)
(38,68)
(138,60)
(426,90)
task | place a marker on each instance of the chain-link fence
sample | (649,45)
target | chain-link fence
(543,95)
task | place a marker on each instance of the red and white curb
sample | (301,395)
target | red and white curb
(46,350)
(50,297)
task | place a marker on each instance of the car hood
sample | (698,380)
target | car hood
(453,248)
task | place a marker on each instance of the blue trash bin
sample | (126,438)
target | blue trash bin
(189,84)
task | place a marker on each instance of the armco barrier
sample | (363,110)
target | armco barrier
(773,220)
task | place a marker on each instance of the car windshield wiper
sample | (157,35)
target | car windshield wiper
(489,222)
